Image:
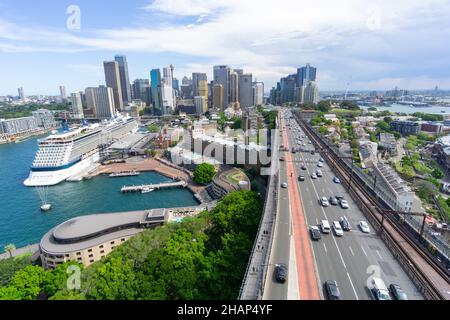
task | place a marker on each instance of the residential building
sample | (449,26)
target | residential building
(63,94)
(434,128)
(124,78)
(18,126)
(21,94)
(368,152)
(246,90)
(44,118)
(101,101)
(258,93)
(112,77)
(405,127)
(77,105)
(388,142)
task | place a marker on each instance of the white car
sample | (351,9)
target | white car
(320,164)
(313,175)
(324,202)
(284,185)
(364,227)
(344,204)
(338,229)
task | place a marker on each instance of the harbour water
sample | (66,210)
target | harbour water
(410,110)
(23,223)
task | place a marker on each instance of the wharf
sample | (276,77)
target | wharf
(158,186)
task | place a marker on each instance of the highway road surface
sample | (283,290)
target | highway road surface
(353,259)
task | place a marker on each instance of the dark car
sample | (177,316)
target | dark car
(332,290)
(303,167)
(282,159)
(313,152)
(334,201)
(315,233)
(301,178)
(280,273)
(397,292)
(345,224)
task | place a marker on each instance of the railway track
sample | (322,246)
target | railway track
(431,280)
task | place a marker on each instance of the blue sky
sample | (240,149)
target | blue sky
(364,44)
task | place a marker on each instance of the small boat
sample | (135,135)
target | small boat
(46,207)
(147,190)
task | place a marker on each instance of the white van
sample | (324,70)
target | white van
(379,289)
(325,226)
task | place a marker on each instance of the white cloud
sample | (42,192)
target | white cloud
(349,40)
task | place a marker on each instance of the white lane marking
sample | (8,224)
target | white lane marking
(378,252)
(325,247)
(351,250)
(353,287)
(317,220)
(364,251)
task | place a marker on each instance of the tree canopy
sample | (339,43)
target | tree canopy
(204,173)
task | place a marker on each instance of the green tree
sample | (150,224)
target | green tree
(113,280)
(437,173)
(323,130)
(383,126)
(350,105)
(154,128)
(372,109)
(10,248)
(324,106)
(204,173)
(28,282)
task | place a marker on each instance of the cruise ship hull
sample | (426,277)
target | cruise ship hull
(51,178)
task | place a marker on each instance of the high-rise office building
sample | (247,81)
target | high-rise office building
(306,74)
(186,81)
(156,88)
(63,94)
(112,77)
(234,87)
(222,76)
(186,91)
(176,84)
(218,97)
(201,105)
(311,92)
(21,93)
(300,94)
(77,105)
(168,94)
(101,101)
(203,89)
(246,90)
(258,93)
(124,78)
(141,90)
(196,78)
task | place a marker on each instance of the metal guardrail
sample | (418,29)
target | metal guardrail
(252,287)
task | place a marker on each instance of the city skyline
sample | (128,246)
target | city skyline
(354,44)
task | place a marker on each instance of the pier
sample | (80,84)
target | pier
(165,185)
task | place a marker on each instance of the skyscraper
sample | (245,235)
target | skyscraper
(155,76)
(196,78)
(306,74)
(101,100)
(222,76)
(258,93)
(63,94)
(311,92)
(112,77)
(168,94)
(287,85)
(201,105)
(124,78)
(21,93)
(77,105)
(234,87)
(246,90)
(218,97)
(203,89)
(141,90)
(175,84)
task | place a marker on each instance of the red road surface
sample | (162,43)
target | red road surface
(307,280)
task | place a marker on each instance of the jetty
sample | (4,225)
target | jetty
(164,185)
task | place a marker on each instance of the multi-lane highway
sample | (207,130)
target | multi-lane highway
(351,260)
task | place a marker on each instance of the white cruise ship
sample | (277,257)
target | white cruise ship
(63,155)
